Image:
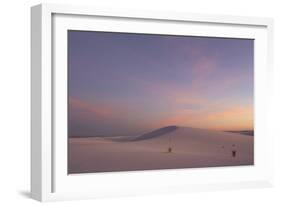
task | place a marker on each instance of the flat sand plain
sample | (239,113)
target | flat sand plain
(190,148)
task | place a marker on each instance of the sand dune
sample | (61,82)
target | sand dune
(191,147)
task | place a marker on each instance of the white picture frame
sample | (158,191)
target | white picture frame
(49,178)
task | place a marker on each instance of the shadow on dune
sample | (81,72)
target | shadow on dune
(154,134)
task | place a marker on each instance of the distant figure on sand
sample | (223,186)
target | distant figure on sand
(170,145)
(169,149)
(233,153)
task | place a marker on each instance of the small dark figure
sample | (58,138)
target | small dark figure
(169,149)
(170,144)
(233,145)
(233,153)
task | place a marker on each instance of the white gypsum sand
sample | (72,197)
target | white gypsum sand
(189,148)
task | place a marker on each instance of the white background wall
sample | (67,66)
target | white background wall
(15,104)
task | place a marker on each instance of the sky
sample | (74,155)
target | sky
(128,84)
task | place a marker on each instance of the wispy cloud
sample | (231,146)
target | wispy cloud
(86,109)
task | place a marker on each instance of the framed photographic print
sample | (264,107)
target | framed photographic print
(137,102)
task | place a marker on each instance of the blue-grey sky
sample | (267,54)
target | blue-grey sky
(125,84)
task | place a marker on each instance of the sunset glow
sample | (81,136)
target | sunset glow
(126,84)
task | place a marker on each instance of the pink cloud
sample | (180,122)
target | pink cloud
(88,109)
(204,66)
(169,92)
